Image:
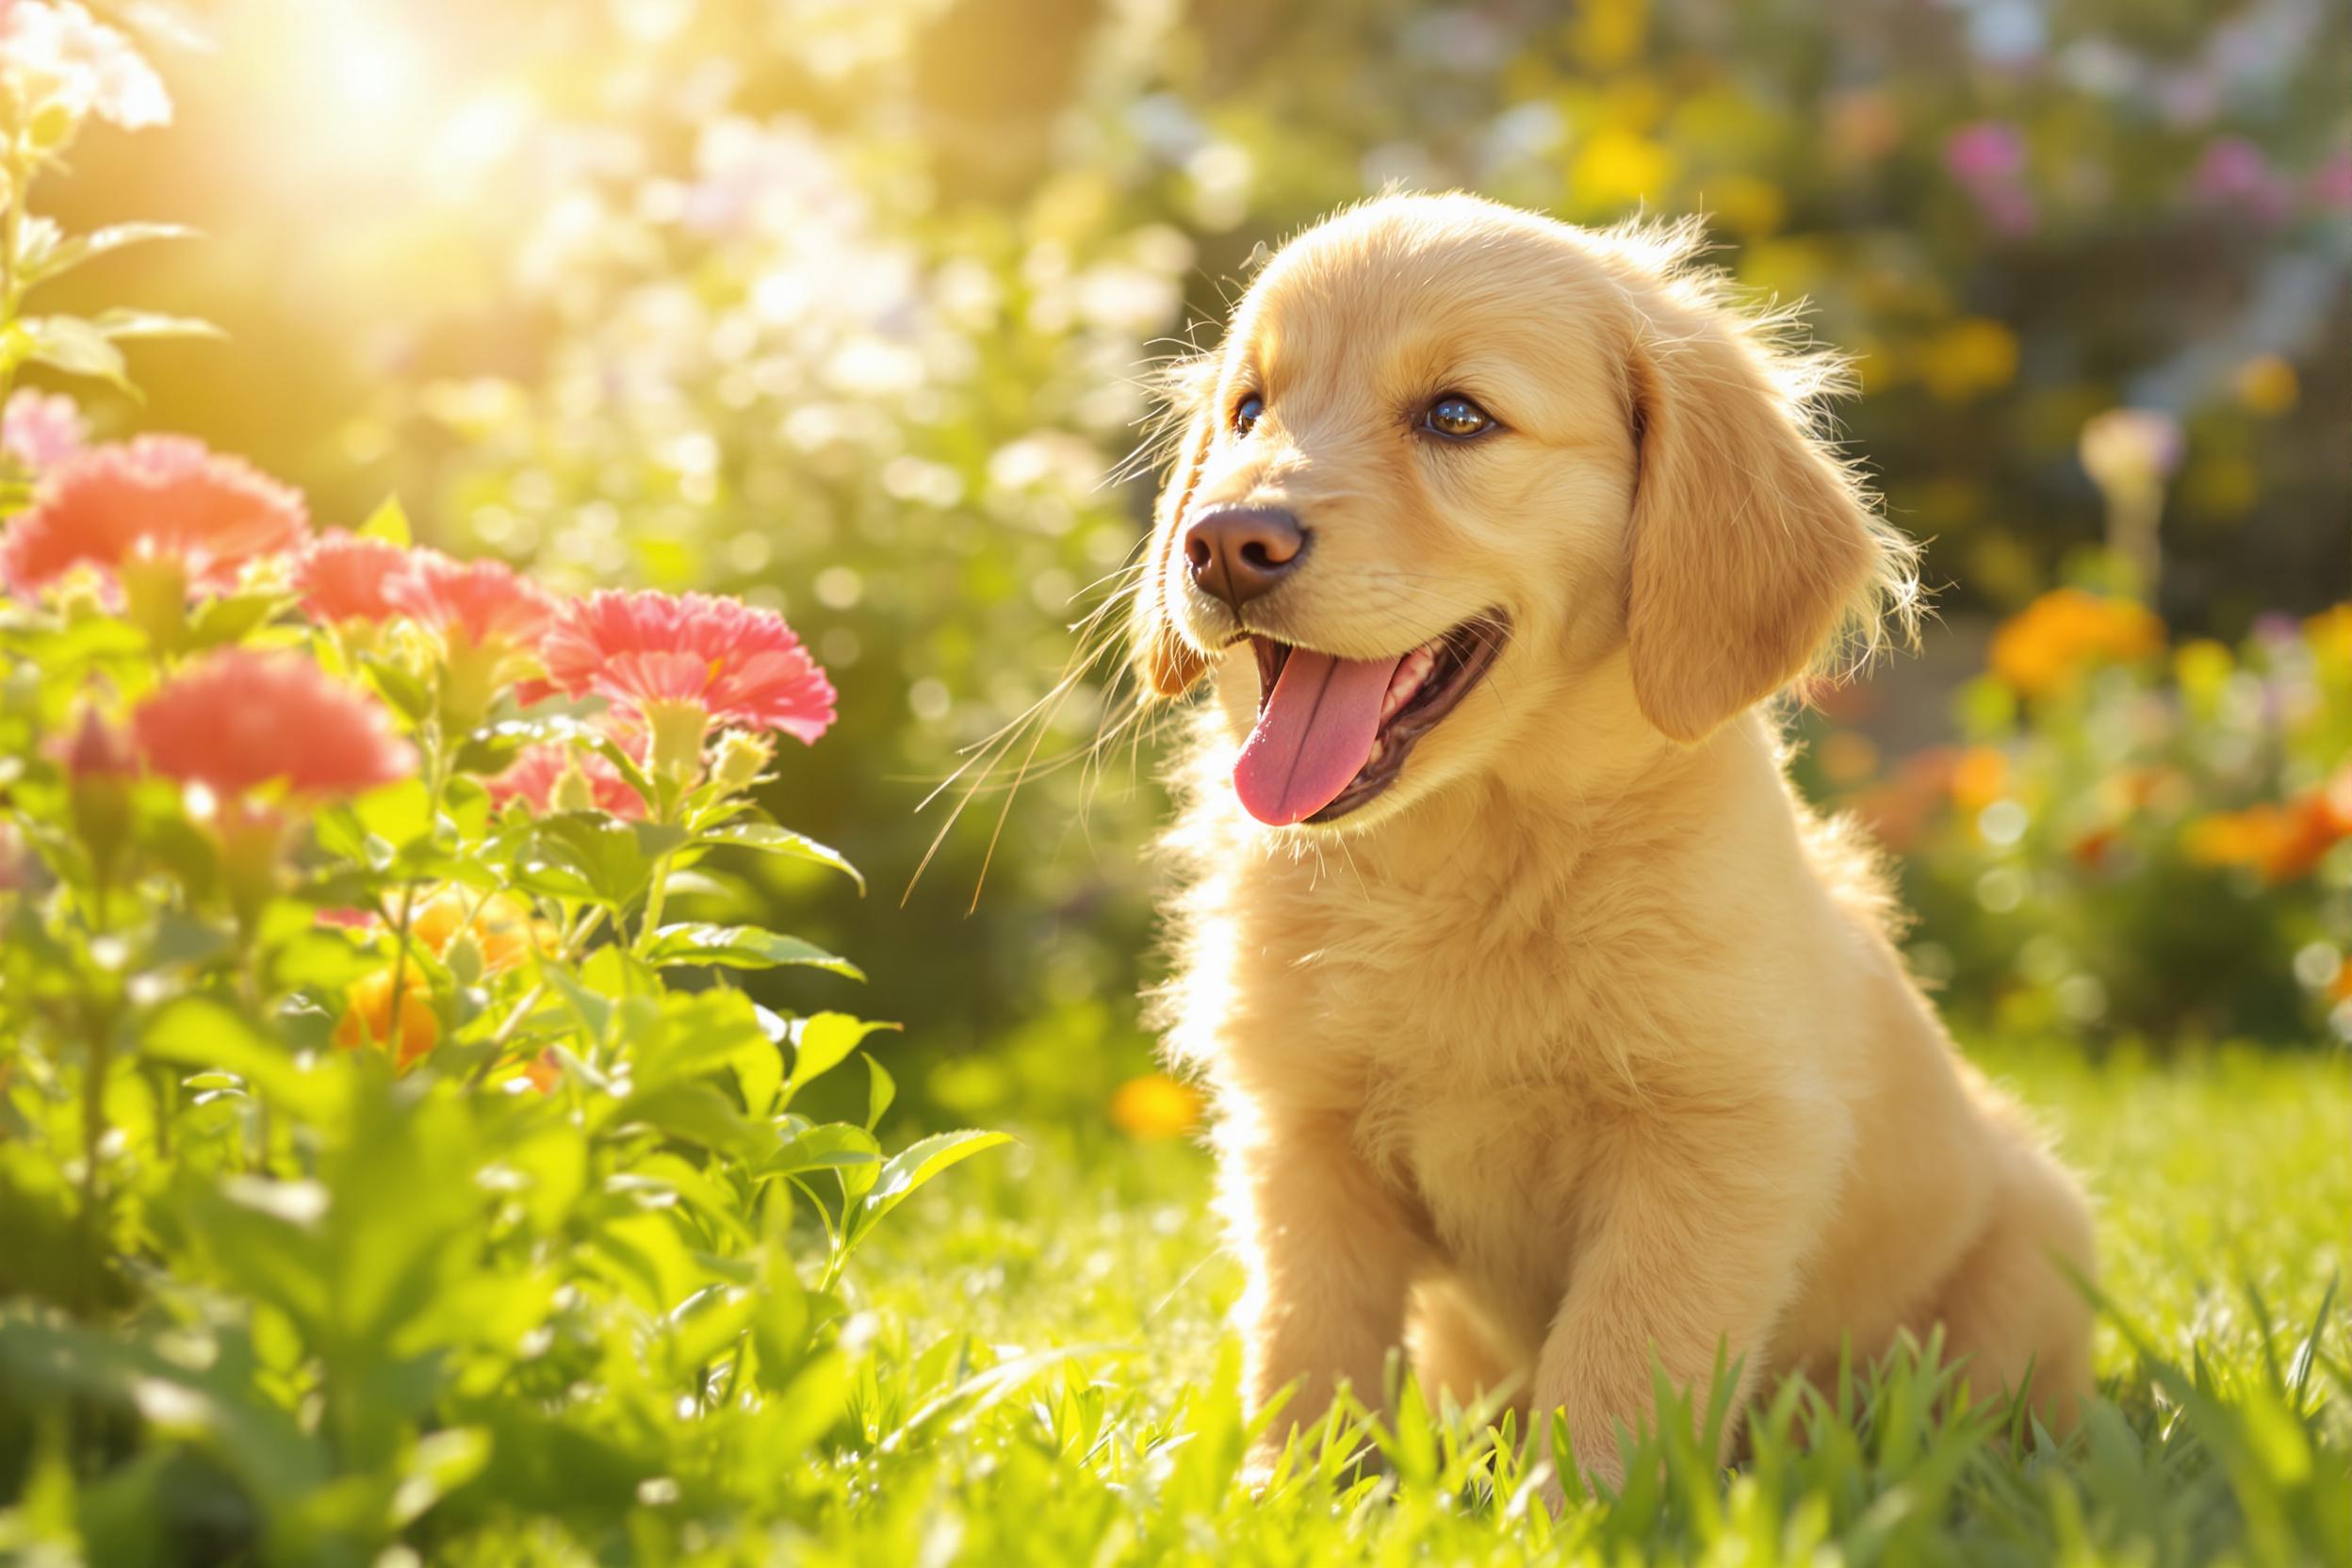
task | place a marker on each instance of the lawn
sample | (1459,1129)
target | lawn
(1060,1308)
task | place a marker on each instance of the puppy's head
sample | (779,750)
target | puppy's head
(1462,477)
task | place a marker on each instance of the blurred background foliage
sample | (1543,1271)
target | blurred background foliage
(846,307)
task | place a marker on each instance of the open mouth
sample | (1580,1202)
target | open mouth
(1332,733)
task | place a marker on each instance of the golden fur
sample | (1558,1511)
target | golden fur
(1586,1043)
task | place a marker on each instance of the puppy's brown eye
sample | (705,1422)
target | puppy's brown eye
(1456,416)
(1245,413)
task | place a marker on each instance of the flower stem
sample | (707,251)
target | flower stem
(654,895)
(16,171)
(431,736)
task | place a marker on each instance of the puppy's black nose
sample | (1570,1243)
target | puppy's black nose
(1238,552)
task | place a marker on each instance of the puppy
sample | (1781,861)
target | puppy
(1549,1034)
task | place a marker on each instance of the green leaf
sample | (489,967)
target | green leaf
(699,1112)
(231,618)
(44,261)
(400,814)
(118,324)
(821,1043)
(627,766)
(741,947)
(400,688)
(831,1146)
(881,1089)
(199,1033)
(74,345)
(389,523)
(912,1166)
(699,1033)
(769,839)
(615,858)
(759,1068)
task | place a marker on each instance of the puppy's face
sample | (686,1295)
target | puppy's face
(1450,462)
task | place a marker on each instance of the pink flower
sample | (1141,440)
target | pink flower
(739,666)
(158,496)
(532,778)
(2234,173)
(346,577)
(55,54)
(482,601)
(2331,182)
(239,719)
(1985,153)
(41,429)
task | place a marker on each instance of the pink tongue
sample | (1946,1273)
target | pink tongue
(1313,736)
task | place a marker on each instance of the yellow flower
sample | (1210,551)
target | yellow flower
(1155,1106)
(1617,169)
(2329,632)
(2045,648)
(1970,357)
(2266,385)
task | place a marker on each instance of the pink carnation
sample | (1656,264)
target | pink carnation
(532,776)
(41,429)
(239,719)
(483,601)
(346,577)
(739,665)
(158,496)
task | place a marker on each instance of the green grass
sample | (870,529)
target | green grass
(1056,1315)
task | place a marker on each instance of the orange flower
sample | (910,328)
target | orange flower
(368,1016)
(503,931)
(2045,648)
(1155,1106)
(503,928)
(2281,841)
(1979,777)
(2091,851)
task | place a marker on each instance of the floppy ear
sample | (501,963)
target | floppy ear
(1168,665)
(1749,541)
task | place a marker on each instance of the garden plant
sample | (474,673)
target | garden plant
(444,1113)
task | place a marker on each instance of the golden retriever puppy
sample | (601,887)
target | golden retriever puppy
(1549,1033)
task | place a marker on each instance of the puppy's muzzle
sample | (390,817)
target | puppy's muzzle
(1238,553)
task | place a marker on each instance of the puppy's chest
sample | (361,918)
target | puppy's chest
(1498,1175)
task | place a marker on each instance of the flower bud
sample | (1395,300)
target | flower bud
(571,790)
(100,763)
(464,957)
(741,760)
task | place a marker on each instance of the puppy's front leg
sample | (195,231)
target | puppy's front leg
(1695,1240)
(1330,1256)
